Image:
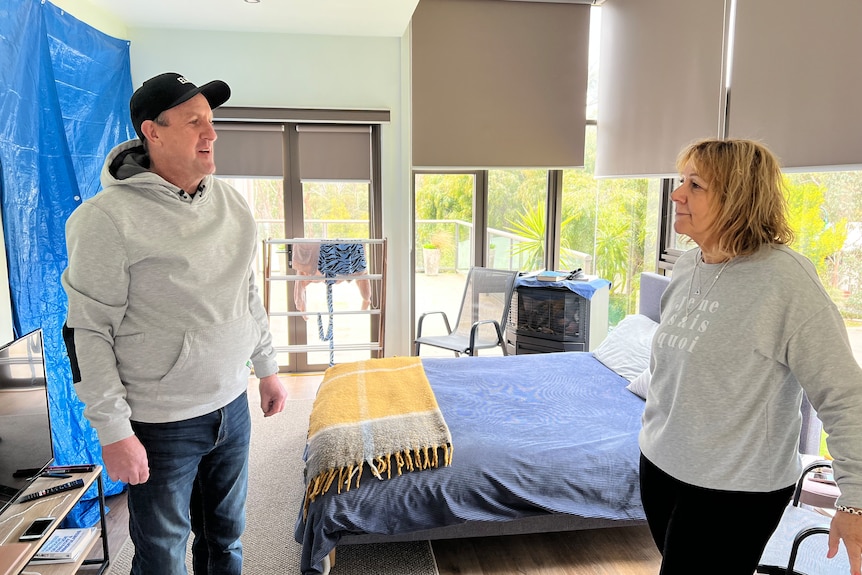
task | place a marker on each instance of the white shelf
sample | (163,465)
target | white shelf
(15,519)
(375,252)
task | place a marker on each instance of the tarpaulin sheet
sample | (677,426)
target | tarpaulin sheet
(64,93)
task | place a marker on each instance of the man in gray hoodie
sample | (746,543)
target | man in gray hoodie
(164,324)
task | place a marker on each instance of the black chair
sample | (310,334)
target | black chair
(793,549)
(482,318)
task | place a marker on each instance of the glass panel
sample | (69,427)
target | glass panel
(336,210)
(825,211)
(516,219)
(265,198)
(826,215)
(609,229)
(443,244)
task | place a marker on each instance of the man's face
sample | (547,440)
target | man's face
(182,151)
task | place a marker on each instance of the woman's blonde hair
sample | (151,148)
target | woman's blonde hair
(746,181)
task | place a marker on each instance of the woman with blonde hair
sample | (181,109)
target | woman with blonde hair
(746,328)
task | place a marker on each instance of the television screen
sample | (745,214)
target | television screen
(26,447)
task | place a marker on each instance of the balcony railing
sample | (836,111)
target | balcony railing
(457,243)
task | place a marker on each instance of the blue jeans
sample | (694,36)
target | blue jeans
(198,482)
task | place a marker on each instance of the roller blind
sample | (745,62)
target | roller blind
(499,84)
(253,150)
(660,83)
(797,80)
(334,153)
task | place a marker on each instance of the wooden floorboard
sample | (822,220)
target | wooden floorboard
(117,522)
(611,551)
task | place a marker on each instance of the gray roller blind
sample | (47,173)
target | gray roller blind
(499,84)
(253,150)
(660,83)
(334,153)
(797,80)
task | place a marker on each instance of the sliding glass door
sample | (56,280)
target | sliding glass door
(308,181)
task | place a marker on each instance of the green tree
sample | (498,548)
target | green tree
(580,202)
(815,237)
(530,225)
(446,197)
(336,201)
(510,190)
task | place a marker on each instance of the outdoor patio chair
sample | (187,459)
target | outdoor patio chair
(798,546)
(482,318)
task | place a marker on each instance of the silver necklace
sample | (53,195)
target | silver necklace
(689,306)
(696,273)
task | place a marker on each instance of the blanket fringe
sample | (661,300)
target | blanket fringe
(348,476)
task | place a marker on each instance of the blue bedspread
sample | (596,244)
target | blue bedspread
(532,434)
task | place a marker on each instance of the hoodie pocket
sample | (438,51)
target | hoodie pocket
(213,359)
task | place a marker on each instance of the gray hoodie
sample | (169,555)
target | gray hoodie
(164,315)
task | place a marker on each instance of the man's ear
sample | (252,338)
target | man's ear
(149,130)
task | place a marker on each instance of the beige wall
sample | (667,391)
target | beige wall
(94,16)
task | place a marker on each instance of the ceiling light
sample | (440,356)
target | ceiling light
(252,1)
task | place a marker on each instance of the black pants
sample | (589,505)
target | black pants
(707,531)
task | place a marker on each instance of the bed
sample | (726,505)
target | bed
(541,443)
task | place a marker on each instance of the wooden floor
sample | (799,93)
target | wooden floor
(615,551)
(118,525)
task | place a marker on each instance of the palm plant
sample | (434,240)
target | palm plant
(530,226)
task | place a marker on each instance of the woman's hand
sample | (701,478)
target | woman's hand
(847,527)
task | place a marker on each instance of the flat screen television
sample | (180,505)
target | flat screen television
(26,446)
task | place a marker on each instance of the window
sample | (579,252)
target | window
(531,219)
(517,215)
(304,177)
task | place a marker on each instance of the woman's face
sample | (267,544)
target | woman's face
(696,209)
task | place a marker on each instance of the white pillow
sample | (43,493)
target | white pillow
(640,384)
(626,349)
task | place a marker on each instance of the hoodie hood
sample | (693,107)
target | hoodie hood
(126,162)
(129,163)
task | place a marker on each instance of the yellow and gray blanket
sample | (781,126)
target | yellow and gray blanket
(379,413)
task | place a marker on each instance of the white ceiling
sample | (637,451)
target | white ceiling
(331,17)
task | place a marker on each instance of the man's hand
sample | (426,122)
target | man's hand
(272,395)
(126,460)
(848,527)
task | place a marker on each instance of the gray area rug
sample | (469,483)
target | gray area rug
(275,496)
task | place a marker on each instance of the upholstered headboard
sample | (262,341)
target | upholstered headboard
(652,286)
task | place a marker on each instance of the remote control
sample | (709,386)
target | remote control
(52,490)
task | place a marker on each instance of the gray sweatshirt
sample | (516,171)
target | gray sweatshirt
(164,312)
(729,369)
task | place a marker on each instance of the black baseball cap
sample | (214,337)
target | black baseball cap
(170,89)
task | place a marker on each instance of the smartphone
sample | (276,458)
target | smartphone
(38,528)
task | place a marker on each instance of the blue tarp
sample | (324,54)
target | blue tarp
(64,93)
